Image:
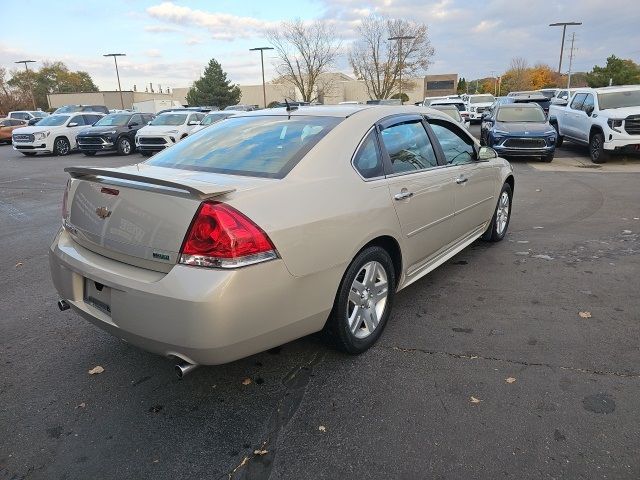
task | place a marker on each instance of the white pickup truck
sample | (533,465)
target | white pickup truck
(605,119)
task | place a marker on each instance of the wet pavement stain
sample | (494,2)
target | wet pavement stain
(599,403)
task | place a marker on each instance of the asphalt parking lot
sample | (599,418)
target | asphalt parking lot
(513,360)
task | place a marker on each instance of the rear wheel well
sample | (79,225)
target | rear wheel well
(392,247)
(511,181)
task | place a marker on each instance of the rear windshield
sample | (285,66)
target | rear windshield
(482,99)
(630,98)
(520,114)
(169,119)
(263,146)
(450,110)
(53,121)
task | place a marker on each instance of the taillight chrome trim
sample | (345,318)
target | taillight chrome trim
(227,263)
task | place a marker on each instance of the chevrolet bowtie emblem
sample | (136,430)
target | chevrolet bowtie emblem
(103,212)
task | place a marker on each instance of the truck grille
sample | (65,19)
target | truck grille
(525,143)
(90,141)
(480,109)
(23,137)
(151,141)
(632,124)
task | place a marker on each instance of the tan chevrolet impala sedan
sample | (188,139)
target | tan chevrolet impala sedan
(272,225)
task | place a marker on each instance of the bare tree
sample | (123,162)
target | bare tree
(305,52)
(380,62)
(521,73)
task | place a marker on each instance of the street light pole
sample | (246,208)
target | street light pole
(33,99)
(400,38)
(114,55)
(264,89)
(564,31)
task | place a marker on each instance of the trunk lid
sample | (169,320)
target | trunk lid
(140,214)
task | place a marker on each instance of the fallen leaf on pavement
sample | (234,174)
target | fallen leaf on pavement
(95,370)
(475,400)
(260,452)
(322,428)
(246,381)
(584,314)
(510,380)
(19,264)
(82,405)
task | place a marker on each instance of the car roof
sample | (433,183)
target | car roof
(520,105)
(612,89)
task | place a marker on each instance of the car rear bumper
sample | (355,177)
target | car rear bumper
(203,316)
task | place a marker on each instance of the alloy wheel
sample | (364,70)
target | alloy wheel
(367,299)
(125,146)
(62,146)
(502,214)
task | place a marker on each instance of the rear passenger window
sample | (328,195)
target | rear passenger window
(457,147)
(367,160)
(409,147)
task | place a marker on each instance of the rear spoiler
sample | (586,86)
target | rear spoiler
(195,188)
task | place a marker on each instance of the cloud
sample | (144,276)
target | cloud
(160,28)
(153,53)
(484,26)
(221,26)
(193,41)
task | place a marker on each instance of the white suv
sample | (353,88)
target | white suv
(166,129)
(477,104)
(53,134)
(606,119)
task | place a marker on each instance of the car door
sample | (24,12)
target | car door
(473,181)
(135,123)
(79,123)
(571,115)
(582,121)
(420,188)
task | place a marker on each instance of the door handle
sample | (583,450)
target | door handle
(460,180)
(403,195)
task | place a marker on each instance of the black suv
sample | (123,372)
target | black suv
(114,132)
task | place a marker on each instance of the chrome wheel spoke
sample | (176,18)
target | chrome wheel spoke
(355,297)
(367,299)
(356,321)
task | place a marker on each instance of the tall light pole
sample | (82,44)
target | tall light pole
(495,83)
(114,55)
(264,89)
(33,99)
(400,38)
(564,30)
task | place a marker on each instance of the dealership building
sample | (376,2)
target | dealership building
(339,88)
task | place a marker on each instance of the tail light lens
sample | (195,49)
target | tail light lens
(222,237)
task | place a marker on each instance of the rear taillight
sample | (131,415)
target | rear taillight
(65,198)
(222,237)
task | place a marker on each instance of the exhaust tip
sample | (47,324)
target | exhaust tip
(183,368)
(63,305)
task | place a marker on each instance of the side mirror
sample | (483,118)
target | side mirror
(72,124)
(486,153)
(589,110)
(133,124)
(192,123)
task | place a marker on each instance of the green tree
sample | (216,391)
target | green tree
(462,86)
(213,88)
(53,77)
(618,70)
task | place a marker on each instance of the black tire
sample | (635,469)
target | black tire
(125,147)
(492,234)
(548,158)
(337,328)
(559,138)
(89,154)
(29,154)
(596,148)
(61,146)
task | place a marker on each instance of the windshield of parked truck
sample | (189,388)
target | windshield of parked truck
(482,99)
(69,109)
(113,120)
(630,98)
(520,114)
(169,119)
(264,146)
(53,121)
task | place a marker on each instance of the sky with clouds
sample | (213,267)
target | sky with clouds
(170,42)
